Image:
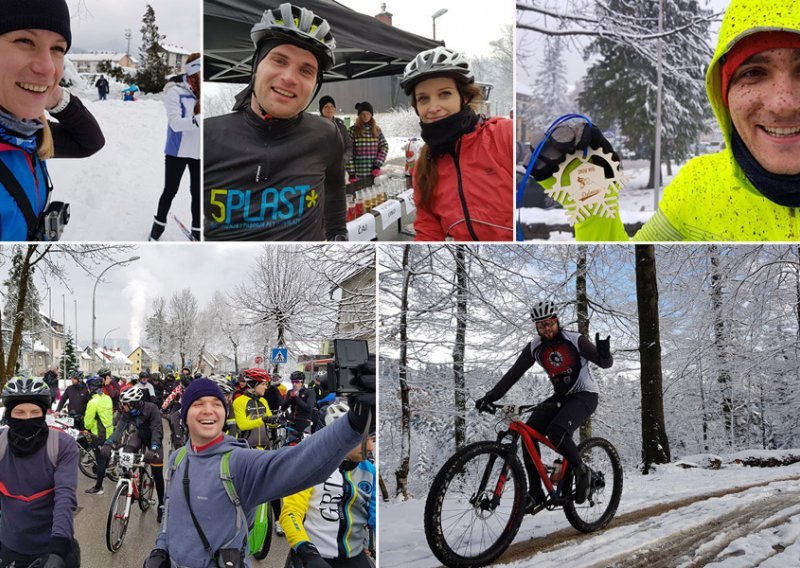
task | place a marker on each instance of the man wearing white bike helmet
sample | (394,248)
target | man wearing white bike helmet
(284,177)
(331,524)
(38,482)
(565,357)
(148,437)
(463,178)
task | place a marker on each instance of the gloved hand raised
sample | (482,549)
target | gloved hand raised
(567,139)
(603,346)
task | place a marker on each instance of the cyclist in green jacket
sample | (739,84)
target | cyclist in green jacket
(751,190)
(99,420)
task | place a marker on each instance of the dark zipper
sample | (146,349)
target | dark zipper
(461,192)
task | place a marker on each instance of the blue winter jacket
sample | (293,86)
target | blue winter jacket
(19,156)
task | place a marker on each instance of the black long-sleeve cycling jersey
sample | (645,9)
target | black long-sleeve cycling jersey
(273,179)
(564,360)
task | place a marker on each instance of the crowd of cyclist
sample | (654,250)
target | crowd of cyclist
(258,408)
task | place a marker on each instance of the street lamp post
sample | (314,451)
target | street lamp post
(435,15)
(106,335)
(94,293)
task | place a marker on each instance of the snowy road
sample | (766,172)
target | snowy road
(735,517)
(757,526)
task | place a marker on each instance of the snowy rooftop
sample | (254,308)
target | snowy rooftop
(96,56)
(175,49)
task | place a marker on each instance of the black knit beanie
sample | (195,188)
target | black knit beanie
(51,15)
(325,100)
(365,106)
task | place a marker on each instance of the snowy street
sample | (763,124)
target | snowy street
(113,195)
(736,517)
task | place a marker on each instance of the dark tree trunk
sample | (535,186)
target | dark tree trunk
(401,474)
(655,445)
(720,346)
(460,347)
(582,301)
(19,318)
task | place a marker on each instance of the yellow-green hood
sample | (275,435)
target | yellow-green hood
(743,18)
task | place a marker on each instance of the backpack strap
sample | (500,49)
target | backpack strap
(53,442)
(14,188)
(230,489)
(178,459)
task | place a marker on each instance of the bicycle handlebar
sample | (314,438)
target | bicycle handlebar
(494,407)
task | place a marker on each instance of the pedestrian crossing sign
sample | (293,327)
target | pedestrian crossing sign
(280,355)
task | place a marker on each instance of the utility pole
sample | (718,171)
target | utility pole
(128,37)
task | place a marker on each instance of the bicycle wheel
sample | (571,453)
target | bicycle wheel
(261,532)
(87,463)
(606,486)
(117,522)
(146,487)
(466,522)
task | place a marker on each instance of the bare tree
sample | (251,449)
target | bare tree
(157,330)
(182,321)
(49,259)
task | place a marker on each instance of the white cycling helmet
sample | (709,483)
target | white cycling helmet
(433,63)
(543,310)
(222,383)
(335,411)
(131,395)
(299,26)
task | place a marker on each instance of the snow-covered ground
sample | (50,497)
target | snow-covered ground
(759,526)
(113,195)
(636,204)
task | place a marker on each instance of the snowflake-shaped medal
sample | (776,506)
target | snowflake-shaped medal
(586,190)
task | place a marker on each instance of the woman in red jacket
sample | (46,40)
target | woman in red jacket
(463,179)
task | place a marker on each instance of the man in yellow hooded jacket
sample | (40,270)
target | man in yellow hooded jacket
(750,191)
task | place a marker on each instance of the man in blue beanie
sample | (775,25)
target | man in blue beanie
(202,525)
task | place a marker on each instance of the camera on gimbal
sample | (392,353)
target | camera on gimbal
(353,369)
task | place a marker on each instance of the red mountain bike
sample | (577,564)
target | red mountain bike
(477,500)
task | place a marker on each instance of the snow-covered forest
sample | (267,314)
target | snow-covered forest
(727,330)
(729,340)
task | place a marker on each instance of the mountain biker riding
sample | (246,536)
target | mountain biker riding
(99,421)
(565,357)
(148,437)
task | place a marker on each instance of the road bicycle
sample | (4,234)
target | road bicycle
(86,463)
(477,500)
(135,484)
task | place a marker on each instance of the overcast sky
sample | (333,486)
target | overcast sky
(125,295)
(99,25)
(468,25)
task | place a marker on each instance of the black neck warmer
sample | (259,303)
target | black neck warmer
(781,189)
(441,136)
(25,437)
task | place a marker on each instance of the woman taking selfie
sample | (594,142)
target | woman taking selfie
(34,38)
(463,179)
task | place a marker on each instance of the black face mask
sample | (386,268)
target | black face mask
(781,189)
(25,437)
(441,136)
